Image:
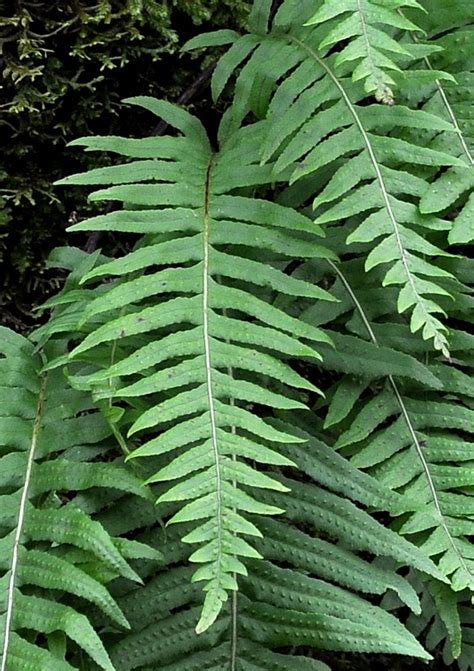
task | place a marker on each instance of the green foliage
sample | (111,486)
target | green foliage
(52,551)
(205,375)
(373,179)
(267,357)
(453,189)
(307,603)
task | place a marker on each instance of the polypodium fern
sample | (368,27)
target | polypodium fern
(453,188)
(196,359)
(306,608)
(52,552)
(413,441)
(198,346)
(447,622)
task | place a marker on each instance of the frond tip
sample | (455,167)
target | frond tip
(370,49)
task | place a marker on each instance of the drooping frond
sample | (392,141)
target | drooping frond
(411,431)
(242,369)
(204,357)
(452,190)
(413,448)
(349,156)
(52,553)
(445,622)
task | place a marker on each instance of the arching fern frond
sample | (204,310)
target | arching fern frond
(446,622)
(206,348)
(52,553)
(205,356)
(454,39)
(351,158)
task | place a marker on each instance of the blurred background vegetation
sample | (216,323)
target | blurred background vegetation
(66,66)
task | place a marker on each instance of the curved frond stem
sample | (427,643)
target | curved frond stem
(378,174)
(355,300)
(208,362)
(113,351)
(118,436)
(233,631)
(447,104)
(20,522)
(234,593)
(112,361)
(406,416)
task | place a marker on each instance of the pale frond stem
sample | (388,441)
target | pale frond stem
(21,520)
(406,416)
(112,361)
(234,594)
(123,445)
(446,103)
(234,613)
(355,300)
(429,478)
(118,436)
(207,358)
(378,173)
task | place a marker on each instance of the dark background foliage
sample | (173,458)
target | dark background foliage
(66,66)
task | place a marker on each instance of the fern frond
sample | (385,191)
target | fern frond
(320,126)
(380,194)
(203,344)
(446,622)
(42,424)
(202,356)
(419,448)
(453,189)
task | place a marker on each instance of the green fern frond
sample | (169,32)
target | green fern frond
(266,390)
(42,425)
(381,195)
(451,100)
(213,348)
(446,622)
